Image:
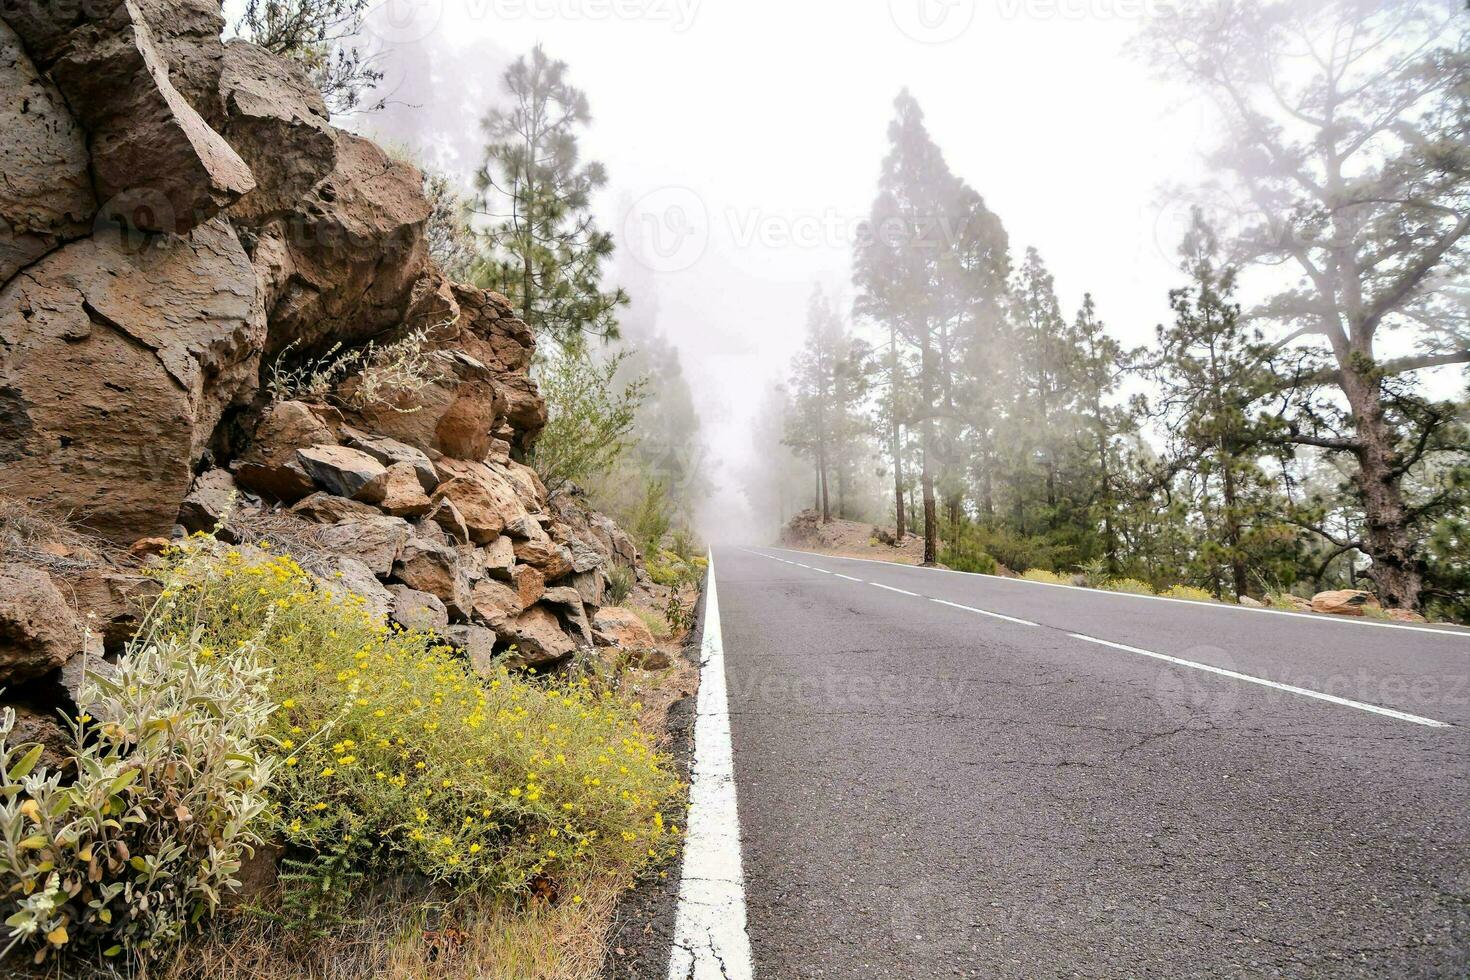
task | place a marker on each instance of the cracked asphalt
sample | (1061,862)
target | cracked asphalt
(928,792)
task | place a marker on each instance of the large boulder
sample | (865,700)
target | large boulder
(115,367)
(1342,602)
(38,631)
(538,638)
(622,628)
(269,105)
(339,264)
(269,465)
(157,164)
(46,194)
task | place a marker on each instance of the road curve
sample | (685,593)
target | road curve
(953,775)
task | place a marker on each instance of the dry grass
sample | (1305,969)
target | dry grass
(401,933)
(30,537)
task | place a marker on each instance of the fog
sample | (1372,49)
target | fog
(743,141)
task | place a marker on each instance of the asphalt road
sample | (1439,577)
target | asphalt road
(930,791)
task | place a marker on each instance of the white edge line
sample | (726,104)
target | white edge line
(1457,632)
(1237,675)
(710,938)
(891,588)
(984,612)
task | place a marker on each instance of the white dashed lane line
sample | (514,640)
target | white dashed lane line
(899,591)
(1178,661)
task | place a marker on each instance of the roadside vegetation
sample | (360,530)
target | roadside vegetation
(259,713)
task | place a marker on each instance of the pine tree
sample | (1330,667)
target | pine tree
(545,252)
(899,270)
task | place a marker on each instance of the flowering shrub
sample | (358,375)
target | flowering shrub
(395,756)
(1130,585)
(149,835)
(1041,575)
(1189,592)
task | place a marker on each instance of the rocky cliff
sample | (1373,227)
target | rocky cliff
(180,224)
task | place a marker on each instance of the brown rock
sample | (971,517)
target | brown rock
(149,547)
(494,603)
(109,603)
(115,368)
(403,492)
(538,638)
(1404,616)
(1343,602)
(270,465)
(44,728)
(339,263)
(325,508)
(375,541)
(344,472)
(271,104)
(418,610)
(38,631)
(463,430)
(212,497)
(46,195)
(446,515)
(498,558)
(391,452)
(591,586)
(529,583)
(478,645)
(623,628)
(482,512)
(432,567)
(349,577)
(567,602)
(155,161)
(551,559)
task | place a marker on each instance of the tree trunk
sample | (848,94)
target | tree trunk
(1398,568)
(926,474)
(822,483)
(895,442)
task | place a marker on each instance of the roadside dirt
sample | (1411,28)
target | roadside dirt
(850,539)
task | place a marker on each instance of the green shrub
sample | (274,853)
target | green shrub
(1132,586)
(395,756)
(620,582)
(1041,575)
(169,777)
(684,544)
(656,623)
(964,551)
(1189,592)
(668,569)
(1014,551)
(1095,573)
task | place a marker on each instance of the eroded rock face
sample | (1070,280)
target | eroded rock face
(237,235)
(46,195)
(156,163)
(115,367)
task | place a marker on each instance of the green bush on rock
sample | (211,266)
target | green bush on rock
(142,836)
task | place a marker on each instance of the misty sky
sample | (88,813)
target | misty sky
(743,140)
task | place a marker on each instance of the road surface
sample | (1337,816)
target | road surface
(953,775)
